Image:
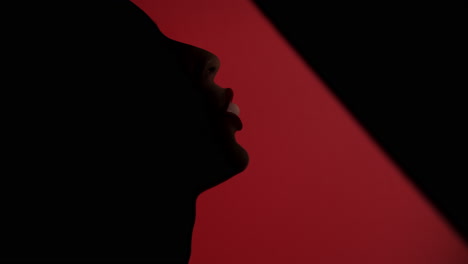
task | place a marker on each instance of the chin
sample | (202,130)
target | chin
(240,158)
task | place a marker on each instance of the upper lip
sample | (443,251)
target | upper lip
(229,96)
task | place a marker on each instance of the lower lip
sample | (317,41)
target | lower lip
(235,120)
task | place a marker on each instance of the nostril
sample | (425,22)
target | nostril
(229,94)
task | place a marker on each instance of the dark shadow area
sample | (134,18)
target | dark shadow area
(400,69)
(110,132)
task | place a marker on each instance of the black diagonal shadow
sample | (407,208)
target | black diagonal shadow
(399,70)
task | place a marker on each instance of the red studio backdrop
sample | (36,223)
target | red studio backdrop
(318,189)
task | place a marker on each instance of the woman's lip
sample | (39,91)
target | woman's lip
(229,97)
(233,108)
(236,120)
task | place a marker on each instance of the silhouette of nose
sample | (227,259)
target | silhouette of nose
(203,66)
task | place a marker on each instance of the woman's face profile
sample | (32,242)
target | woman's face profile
(202,67)
(110,126)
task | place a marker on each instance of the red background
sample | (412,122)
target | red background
(318,189)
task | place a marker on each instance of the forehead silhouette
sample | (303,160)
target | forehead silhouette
(102,84)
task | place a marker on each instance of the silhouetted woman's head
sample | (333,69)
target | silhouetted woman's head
(100,82)
(108,122)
